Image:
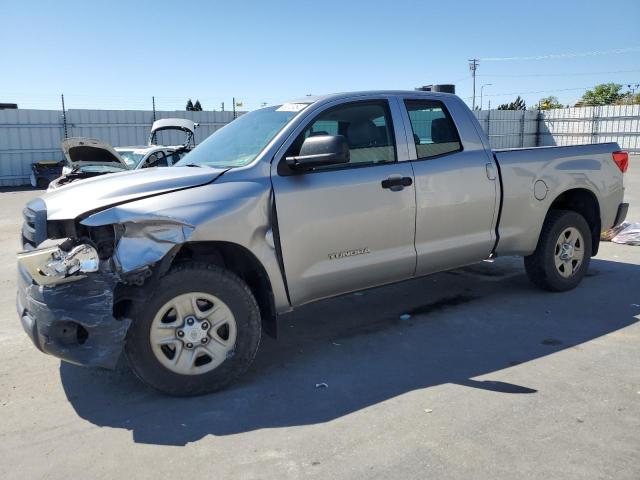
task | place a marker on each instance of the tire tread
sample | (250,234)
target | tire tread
(539,266)
(188,385)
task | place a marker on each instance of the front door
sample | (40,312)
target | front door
(349,227)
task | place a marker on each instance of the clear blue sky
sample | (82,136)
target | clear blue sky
(118,54)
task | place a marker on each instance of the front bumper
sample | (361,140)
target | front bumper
(73,321)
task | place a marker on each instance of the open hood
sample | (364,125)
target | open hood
(182,124)
(82,152)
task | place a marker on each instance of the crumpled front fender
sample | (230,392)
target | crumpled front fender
(145,239)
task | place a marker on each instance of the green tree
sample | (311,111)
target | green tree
(549,103)
(189,106)
(197,107)
(517,104)
(603,94)
(629,99)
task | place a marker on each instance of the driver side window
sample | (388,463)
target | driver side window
(366,126)
(161,160)
(157,159)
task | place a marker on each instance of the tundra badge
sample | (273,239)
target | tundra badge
(349,253)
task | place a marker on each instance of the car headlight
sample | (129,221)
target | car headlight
(52,265)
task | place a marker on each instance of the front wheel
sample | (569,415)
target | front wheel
(562,256)
(198,331)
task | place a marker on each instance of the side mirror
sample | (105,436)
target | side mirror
(320,151)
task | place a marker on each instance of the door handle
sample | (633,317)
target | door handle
(395,183)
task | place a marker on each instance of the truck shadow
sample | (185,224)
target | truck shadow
(343,355)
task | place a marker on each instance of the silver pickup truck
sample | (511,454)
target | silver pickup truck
(183,268)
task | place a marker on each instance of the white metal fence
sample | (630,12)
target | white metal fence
(28,136)
(566,126)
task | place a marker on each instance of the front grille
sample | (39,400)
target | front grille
(34,228)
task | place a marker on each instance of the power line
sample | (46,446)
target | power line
(563,55)
(560,74)
(539,91)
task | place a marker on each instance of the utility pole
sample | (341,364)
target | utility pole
(222,106)
(234,108)
(473,66)
(481,91)
(153,102)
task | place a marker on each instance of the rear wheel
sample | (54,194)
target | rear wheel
(198,331)
(562,256)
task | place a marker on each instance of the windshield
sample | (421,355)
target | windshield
(131,157)
(239,143)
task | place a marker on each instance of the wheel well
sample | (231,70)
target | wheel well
(585,203)
(243,263)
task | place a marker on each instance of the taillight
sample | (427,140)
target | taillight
(622,160)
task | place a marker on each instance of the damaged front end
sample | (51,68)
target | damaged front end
(71,283)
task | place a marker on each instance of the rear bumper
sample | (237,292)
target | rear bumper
(623,208)
(73,321)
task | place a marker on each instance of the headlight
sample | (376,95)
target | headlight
(52,265)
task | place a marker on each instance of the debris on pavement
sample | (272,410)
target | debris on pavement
(322,385)
(607,235)
(630,234)
(427,410)
(405,317)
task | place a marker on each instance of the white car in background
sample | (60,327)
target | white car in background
(88,157)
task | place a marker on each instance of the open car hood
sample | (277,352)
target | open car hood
(82,152)
(182,124)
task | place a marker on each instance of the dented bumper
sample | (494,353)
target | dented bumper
(73,321)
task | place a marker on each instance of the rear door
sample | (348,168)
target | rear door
(348,227)
(456,185)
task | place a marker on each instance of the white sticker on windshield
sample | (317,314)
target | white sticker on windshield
(291,107)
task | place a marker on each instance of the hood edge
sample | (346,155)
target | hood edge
(83,216)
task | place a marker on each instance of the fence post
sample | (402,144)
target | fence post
(524,112)
(538,128)
(595,124)
(489,125)
(64,116)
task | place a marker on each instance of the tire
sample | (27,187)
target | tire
(546,267)
(214,289)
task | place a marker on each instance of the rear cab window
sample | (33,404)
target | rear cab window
(434,132)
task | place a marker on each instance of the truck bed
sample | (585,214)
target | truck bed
(531,179)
